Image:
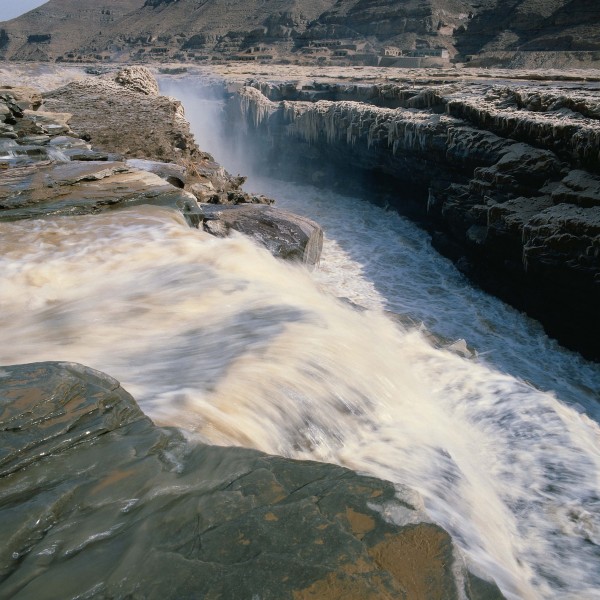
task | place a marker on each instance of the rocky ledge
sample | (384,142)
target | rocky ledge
(88,151)
(97,502)
(505,175)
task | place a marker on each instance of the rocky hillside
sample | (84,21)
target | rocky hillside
(60,27)
(531,26)
(323,31)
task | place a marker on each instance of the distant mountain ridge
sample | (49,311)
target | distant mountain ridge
(82,30)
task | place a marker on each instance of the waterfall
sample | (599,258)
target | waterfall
(360,363)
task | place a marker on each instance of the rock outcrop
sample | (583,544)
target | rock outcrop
(138,79)
(49,170)
(504,176)
(114,114)
(285,235)
(97,502)
(52,169)
(85,187)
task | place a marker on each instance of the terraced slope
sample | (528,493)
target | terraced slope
(494,30)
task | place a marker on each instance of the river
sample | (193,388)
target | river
(383,359)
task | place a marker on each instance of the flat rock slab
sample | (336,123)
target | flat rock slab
(83,187)
(97,502)
(174,174)
(579,188)
(284,234)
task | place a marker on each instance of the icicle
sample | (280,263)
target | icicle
(254,106)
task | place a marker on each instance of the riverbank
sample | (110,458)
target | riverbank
(89,481)
(97,501)
(502,168)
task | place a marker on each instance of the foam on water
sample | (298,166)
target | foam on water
(217,337)
(379,259)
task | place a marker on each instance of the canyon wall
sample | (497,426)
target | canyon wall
(505,176)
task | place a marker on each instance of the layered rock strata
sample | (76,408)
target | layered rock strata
(96,146)
(504,175)
(528,33)
(95,501)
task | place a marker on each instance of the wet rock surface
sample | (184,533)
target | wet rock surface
(284,234)
(504,175)
(84,187)
(112,142)
(96,502)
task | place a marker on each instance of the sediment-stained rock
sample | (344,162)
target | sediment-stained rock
(52,171)
(505,177)
(84,187)
(95,501)
(120,118)
(138,79)
(26,97)
(284,234)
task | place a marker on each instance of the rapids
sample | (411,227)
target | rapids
(419,379)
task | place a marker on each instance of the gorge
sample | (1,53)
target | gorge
(505,176)
(383,359)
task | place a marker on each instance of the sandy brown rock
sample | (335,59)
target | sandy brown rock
(88,181)
(84,187)
(118,119)
(25,97)
(138,79)
(123,114)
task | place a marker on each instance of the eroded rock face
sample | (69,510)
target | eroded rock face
(96,501)
(506,179)
(84,187)
(118,118)
(50,171)
(138,79)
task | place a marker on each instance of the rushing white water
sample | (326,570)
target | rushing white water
(219,338)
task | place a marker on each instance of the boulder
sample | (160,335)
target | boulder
(284,234)
(95,501)
(120,118)
(138,79)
